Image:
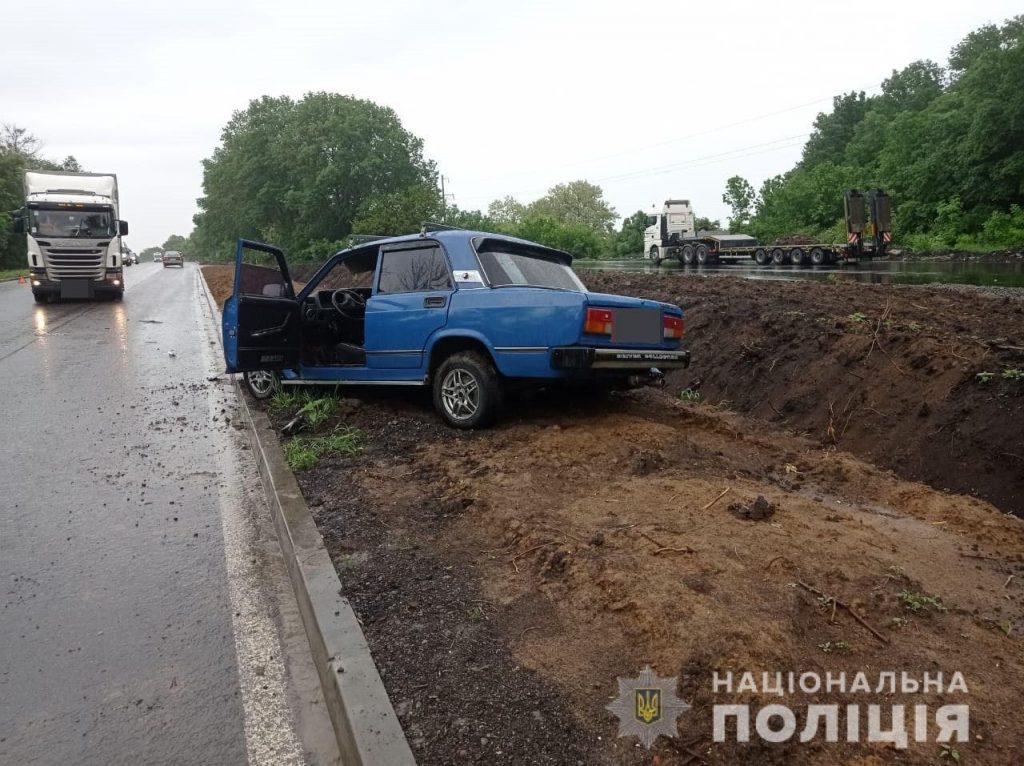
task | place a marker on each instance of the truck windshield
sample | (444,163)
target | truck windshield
(71,223)
(527,269)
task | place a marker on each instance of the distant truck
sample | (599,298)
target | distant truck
(74,230)
(672,233)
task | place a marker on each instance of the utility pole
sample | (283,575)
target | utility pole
(444,202)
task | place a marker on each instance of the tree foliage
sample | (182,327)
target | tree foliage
(298,172)
(947,143)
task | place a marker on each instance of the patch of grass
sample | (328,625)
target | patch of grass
(316,412)
(984,377)
(303,453)
(1013,373)
(950,752)
(690,395)
(14,273)
(285,400)
(920,603)
(836,647)
(856,316)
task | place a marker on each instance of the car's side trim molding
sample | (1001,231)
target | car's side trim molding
(393,351)
(520,349)
(307,382)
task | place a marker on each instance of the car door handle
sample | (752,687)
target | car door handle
(434,302)
(270,330)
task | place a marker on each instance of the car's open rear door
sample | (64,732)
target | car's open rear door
(261,318)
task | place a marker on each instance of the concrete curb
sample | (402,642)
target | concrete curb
(364,720)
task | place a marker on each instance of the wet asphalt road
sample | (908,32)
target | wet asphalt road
(144,614)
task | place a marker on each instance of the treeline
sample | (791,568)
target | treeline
(19,151)
(946,142)
(308,174)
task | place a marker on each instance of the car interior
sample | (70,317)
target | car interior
(333,314)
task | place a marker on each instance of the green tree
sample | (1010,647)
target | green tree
(742,199)
(298,172)
(834,130)
(577,203)
(176,242)
(707,224)
(630,239)
(399,212)
(506,211)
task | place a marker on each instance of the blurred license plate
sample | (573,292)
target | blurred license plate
(637,326)
(74,288)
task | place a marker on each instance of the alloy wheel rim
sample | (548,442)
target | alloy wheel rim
(460,394)
(262,381)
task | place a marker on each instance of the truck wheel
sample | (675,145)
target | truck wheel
(761,256)
(262,384)
(796,255)
(686,255)
(778,256)
(655,256)
(468,392)
(702,254)
(817,256)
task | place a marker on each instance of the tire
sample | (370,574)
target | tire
(686,255)
(817,256)
(655,256)
(702,254)
(761,257)
(468,392)
(778,256)
(165,265)
(41,297)
(796,256)
(119,296)
(262,384)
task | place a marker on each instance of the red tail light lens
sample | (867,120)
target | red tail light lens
(673,328)
(598,322)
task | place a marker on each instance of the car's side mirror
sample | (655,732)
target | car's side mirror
(19,225)
(122,227)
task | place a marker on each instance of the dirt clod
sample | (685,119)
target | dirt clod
(759,510)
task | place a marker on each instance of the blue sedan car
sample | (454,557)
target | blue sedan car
(467,313)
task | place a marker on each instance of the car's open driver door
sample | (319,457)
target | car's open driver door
(261,318)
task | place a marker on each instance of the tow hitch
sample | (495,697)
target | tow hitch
(654,378)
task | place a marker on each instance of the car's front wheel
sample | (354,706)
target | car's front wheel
(262,384)
(468,392)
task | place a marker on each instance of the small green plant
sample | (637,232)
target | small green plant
(920,603)
(284,400)
(836,647)
(304,453)
(856,316)
(316,412)
(950,752)
(984,377)
(1013,373)
(689,395)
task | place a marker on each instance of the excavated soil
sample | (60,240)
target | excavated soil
(506,578)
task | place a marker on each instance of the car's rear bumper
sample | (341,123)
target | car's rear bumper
(591,358)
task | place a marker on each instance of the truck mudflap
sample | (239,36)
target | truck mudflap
(590,358)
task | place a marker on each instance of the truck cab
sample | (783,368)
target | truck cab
(670,227)
(73,231)
(465,313)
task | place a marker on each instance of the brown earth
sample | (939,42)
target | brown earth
(505,578)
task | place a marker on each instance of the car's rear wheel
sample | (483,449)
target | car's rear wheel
(262,384)
(468,392)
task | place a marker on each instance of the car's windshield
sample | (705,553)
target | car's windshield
(68,222)
(526,268)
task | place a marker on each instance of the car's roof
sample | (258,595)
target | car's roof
(459,237)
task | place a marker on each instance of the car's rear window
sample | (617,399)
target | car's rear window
(510,266)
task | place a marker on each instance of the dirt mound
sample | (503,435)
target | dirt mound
(506,578)
(927,382)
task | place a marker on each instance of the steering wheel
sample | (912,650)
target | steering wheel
(348,303)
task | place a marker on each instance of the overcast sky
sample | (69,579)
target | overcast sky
(649,99)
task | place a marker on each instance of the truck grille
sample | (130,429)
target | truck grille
(65,262)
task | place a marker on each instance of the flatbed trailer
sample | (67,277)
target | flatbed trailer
(671,235)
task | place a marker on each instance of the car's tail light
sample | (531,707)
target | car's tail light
(598,322)
(673,328)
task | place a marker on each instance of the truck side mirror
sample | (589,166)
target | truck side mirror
(18,225)
(122,227)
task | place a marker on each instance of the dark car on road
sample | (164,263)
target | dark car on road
(173,258)
(467,313)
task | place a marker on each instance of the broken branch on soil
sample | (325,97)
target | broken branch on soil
(847,607)
(534,548)
(662,548)
(979,556)
(719,497)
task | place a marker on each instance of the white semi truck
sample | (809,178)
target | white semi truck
(671,233)
(74,232)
